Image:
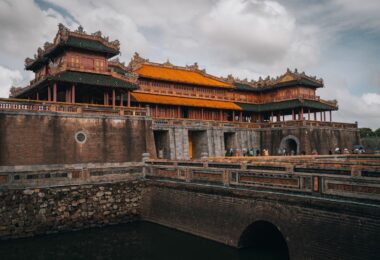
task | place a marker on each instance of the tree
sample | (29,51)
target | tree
(366,132)
(377,132)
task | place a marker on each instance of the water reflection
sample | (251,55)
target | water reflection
(130,241)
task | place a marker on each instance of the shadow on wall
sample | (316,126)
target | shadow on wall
(263,235)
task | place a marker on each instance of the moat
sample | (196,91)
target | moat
(140,240)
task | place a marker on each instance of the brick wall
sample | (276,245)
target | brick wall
(311,138)
(28,138)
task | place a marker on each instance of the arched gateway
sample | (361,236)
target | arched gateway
(265,235)
(290,143)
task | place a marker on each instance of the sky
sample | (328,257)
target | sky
(337,40)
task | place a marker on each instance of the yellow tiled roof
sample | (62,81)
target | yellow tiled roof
(179,75)
(183,101)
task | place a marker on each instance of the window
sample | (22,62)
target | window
(80,137)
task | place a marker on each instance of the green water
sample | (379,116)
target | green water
(129,241)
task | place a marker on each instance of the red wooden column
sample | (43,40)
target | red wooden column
(113,98)
(330,116)
(73,93)
(283,117)
(233,116)
(293,114)
(104,98)
(301,113)
(308,114)
(202,116)
(221,115)
(49,93)
(67,95)
(324,116)
(179,112)
(129,99)
(121,99)
(241,116)
(55,92)
(156,109)
(315,116)
(321,116)
(271,116)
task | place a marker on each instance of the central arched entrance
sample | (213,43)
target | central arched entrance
(263,236)
(290,144)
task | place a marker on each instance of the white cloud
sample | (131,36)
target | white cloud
(363,108)
(245,28)
(8,78)
(248,38)
(371,99)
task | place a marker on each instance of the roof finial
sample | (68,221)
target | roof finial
(80,29)
(167,63)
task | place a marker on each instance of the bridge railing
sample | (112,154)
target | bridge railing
(355,178)
(38,176)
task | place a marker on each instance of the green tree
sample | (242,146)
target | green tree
(366,132)
(377,132)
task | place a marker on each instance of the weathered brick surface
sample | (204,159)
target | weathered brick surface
(320,139)
(313,229)
(27,212)
(37,138)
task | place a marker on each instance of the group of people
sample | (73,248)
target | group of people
(245,152)
(355,150)
(286,152)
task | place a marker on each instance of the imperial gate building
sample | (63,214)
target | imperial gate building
(188,112)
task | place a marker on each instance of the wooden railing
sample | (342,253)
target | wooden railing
(60,107)
(352,177)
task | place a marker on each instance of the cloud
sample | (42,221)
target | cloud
(24,28)
(246,28)
(8,78)
(363,108)
(353,13)
(248,38)
(372,99)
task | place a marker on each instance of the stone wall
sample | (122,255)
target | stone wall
(320,139)
(212,143)
(26,212)
(28,138)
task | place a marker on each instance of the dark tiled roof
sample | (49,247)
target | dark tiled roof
(72,42)
(76,77)
(93,79)
(288,104)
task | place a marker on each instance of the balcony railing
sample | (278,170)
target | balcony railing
(59,107)
(163,122)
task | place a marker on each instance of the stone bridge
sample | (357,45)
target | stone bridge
(322,207)
(315,208)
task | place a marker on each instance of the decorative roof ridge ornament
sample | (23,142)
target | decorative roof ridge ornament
(136,62)
(193,67)
(167,63)
(117,62)
(80,30)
